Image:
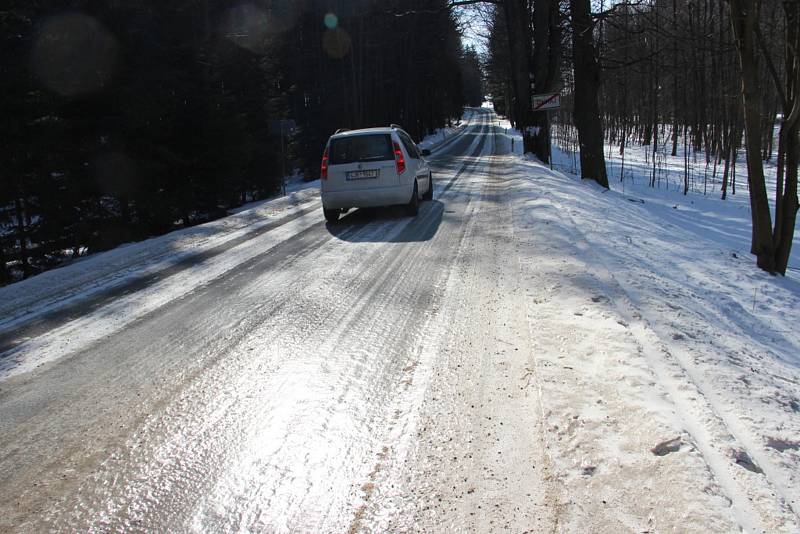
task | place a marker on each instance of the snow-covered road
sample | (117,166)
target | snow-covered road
(491,365)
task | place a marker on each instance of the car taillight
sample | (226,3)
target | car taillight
(399,160)
(323,169)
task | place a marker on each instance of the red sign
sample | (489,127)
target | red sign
(546,101)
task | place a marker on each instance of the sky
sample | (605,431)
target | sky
(473,27)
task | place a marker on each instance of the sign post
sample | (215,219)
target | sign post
(544,103)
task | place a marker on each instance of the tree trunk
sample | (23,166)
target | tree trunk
(22,236)
(546,60)
(786,204)
(786,215)
(587,81)
(674,79)
(519,41)
(5,278)
(730,158)
(744,17)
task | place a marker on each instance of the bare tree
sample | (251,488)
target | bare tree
(786,204)
(587,81)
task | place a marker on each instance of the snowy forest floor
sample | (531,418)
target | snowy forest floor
(718,344)
(702,210)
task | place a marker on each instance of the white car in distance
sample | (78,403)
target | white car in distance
(373,167)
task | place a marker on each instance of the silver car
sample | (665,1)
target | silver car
(373,167)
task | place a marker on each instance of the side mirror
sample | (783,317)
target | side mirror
(425,152)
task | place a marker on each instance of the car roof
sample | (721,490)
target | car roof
(365,131)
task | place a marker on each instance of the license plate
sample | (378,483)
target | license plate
(362,175)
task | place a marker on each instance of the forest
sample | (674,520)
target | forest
(124,120)
(715,78)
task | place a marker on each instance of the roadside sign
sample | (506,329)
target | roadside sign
(546,101)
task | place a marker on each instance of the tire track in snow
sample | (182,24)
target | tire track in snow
(16,343)
(56,309)
(22,329)
(401,430)
(17,334)
(120,369)
(695,404)
(289,288)
(388,284)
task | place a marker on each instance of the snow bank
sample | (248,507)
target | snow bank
(87,276)
(717,337)
(729,220)
(440,137)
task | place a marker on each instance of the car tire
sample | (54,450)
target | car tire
(331,215)
(429,193)
(413,205)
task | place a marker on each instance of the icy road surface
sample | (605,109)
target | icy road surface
(470,370)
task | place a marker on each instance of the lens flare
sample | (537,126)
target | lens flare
(336,43)
(331,21)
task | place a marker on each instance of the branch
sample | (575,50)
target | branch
(613,9)
(771,68)
(448,7)
(604,61)
(456,3)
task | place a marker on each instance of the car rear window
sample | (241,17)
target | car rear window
(375,147)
